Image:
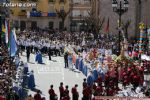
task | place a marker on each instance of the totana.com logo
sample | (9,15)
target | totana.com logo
(19,4)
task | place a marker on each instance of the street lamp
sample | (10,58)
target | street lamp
(120,7)
(80,22)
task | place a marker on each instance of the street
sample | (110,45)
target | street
(53,72)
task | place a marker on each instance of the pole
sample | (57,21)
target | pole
(0,29)
(120,13)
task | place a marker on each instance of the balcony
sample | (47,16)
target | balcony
(51,14)
(35,14)
(42,14)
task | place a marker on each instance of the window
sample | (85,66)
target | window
(51,9)
(76,13)
(86,13)
(22,25)
(60,25)
(51,0)
(33,25)
(77,1)
(16,24)
(62,0)
(23,10)
(51,25)
(62,8)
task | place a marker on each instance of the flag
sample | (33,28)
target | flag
(13,45)
(107,27)
(6,31)
(0,28)
(3,31)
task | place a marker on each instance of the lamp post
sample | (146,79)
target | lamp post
(120,7)
(80,22)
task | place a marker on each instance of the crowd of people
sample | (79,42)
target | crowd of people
(7,73)
(103,77)
(97,52)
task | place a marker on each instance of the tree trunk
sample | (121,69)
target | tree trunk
(95,34)
(63,23)
(126,33)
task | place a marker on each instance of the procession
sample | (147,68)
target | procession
(75,50)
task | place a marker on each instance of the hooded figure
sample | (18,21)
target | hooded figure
(31,82)
(95,74)
(90,79)
(39,57)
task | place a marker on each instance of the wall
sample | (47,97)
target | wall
(106,11)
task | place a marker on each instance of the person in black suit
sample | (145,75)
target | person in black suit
(66,59)
(28,53)
(49,53)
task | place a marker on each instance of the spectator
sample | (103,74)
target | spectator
(61,90)
(37,96)
(52,93)
(75,94)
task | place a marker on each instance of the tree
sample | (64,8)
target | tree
(94,23)
(62,12)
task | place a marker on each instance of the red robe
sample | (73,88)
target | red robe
(86,92)
(94,86)
(110,92)
(1,98)
(74,91)
(84,84)
(51,92)
(66,98)
(37,97)
(99,90)
(99,80)
(61,89)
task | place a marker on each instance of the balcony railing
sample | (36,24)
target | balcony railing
(43,14)
(35,14)
(51,14)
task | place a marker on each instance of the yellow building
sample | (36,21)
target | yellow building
(40,14)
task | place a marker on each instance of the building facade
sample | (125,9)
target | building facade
(42,16)
(137,12)
(79,10)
